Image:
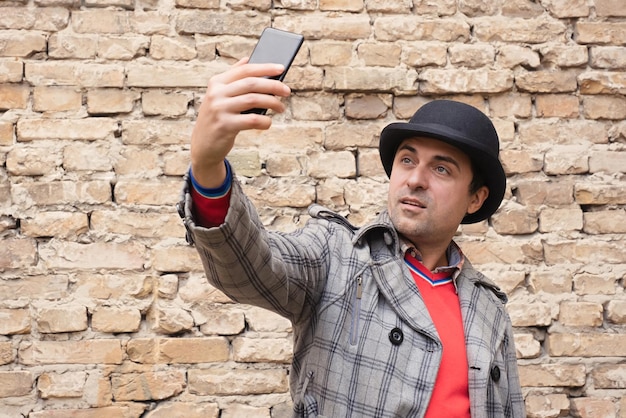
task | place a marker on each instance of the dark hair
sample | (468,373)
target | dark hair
(478,178)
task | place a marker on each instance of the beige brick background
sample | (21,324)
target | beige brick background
(104,310)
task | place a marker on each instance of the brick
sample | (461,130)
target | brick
(88,129)
(514,221)
(148,385)
(219,320)
(68,74)
(281,192)
(516,30)
(167,48)
(610,8)
(414,28)
(607,57)
(11,70)
(557,106)
(124,222)
(166,318)
(600,194)
(115,320)
(164,103)
(510,56)
(330,53)
(547,406)
(564,56)
(473,8)
(218,23)
(101,412)
(237,410)
(340,164)
(6,133)
(236,381)
(50,286)
(589,407)
(379,54)
(111,101)
(609,376)
(370,79)
(363,191)
(88,157)
(66,385)
(368,164)
(262,320)
(340,27)
(561,219)
(568,8)
(17,253)
(175,163)
(566,160)
(434,81)
(168,259)
(562,132)
(55,224)
(61,192)
(6,352)
(138,162)
(552,375)
(65,46)
(596,82)
(14,321)
(15,383)
(56,99)
(616,311)
(552,281)
(542,191)
(611,162)
(130,287)
(604,107)
(471,56)
(423,54)
(14,96)
(587,345)
(21,44)
(199,4)
(71,255)
(33,161)
(101,21)
(178,350)
(605,221)
(604,33)
(342,5)
(594,284)
(404,6)
(123,48)
(526,346)
(528,314)
(546,81)
(518,162)
(580,314)
(165,75)
(186,409)
(151,192)
(371,106)
(316,107)
(262,350)
(96,351)
(569,251)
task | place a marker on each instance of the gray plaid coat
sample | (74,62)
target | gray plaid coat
(345,290)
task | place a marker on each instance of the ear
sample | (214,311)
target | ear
(477,199)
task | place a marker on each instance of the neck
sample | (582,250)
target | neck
(433,256)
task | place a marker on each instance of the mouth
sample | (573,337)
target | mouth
(413,202)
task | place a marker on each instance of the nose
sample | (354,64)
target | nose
(418,177)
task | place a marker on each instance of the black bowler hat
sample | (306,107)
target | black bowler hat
(462,126)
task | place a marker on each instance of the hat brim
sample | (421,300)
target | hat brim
(490,167)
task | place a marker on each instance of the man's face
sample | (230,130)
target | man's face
(429,191)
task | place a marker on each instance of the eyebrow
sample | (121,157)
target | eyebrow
(443,158)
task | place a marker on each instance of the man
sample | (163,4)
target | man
(390,320)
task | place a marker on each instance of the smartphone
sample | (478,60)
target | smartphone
(278,47)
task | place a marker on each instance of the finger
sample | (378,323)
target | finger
(256,85)
(244,70)
(256,101)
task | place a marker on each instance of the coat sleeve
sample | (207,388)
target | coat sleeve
(280,272)
(516,398)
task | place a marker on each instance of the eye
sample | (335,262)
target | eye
(442,170)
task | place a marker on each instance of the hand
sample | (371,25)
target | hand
(240,88)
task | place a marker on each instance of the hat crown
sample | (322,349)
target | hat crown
(461,120)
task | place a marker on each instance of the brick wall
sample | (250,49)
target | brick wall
(104,311)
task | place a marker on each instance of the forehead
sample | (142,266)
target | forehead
(437,147)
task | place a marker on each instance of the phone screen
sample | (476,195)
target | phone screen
(277,47)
